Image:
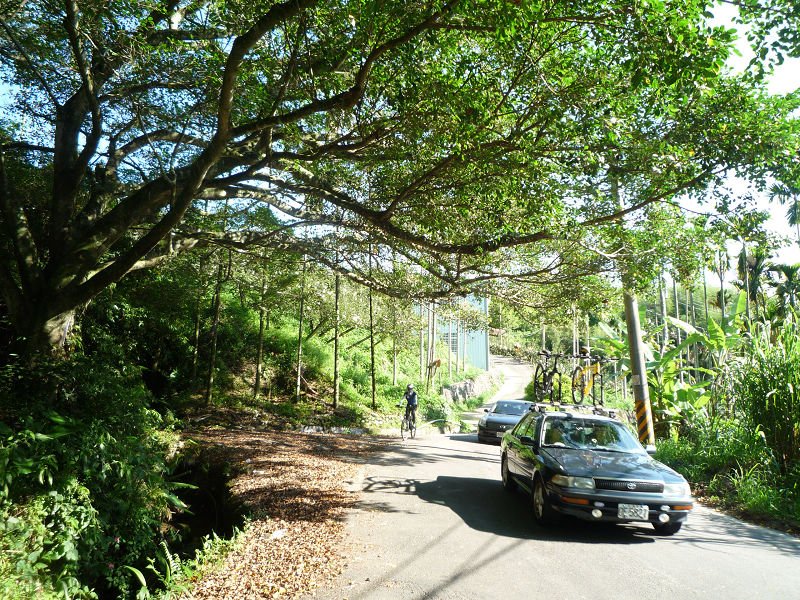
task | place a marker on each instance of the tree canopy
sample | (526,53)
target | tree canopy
(464,139)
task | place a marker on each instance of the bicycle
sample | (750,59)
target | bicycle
(586,378)
(408,425)
(545,381)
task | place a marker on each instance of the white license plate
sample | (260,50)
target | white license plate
(635,512)
(501,433)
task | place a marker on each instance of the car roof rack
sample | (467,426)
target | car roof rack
(583,409)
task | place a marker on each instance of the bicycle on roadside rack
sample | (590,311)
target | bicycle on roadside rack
(408,425)
(547,378)
(587,378)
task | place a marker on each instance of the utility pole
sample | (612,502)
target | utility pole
(641,393)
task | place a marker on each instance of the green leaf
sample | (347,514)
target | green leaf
(716,335)
(682,325)
(139,575)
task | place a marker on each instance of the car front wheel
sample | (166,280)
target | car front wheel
(543,510)
(667,528)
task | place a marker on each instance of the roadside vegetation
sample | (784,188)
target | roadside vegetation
(93,449)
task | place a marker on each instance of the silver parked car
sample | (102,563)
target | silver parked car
(501,418)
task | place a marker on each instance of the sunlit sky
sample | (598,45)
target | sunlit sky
(785,79)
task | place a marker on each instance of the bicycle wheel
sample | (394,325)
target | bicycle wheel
(538,384)
(597,381)
(578,385)
(555,387)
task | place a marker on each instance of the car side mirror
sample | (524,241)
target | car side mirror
(527,440)
(650,449)
(485,410)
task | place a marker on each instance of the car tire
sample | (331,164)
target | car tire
(543,511)
(667,528)
(538,384)
(509,484)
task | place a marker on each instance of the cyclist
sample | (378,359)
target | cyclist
(411,403)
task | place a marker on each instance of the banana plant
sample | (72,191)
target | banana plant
(688,397)
(719,339)
(675,398)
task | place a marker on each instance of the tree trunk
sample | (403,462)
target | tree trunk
(459,325)
(450,348)
(431,344)
(40,334)
(372,342)
(662,294)
(196,341)
(214,329)
(721,274)
(421,346)
(588,339)
(260,344)
(336,317)
(677,329)
(300,333)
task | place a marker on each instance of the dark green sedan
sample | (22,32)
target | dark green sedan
(591,467)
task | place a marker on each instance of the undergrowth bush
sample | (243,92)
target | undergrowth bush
(84,474)
(768,390)
(712,447)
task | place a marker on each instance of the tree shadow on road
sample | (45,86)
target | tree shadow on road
(484,505)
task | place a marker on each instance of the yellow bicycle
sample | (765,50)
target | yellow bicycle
(586,378)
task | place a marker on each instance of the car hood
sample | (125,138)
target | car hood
(613,465)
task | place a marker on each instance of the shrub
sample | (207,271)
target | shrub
(84,490)
(714,447)
(768,391)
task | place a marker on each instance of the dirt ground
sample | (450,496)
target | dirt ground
(296,489)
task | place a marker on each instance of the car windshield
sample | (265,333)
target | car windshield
(511,408)
(589,434)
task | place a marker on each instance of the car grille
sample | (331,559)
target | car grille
(496,426)
(621,485)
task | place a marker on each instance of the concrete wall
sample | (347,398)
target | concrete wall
(469,388)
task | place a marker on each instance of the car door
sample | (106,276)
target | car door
(526,453)
(518,450)
(514,445)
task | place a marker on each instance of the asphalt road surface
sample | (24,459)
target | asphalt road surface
(435,522)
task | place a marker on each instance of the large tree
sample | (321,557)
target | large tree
(443,131)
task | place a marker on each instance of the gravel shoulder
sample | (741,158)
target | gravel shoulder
(297,488)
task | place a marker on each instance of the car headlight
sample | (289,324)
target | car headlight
(677,489)
(586,483)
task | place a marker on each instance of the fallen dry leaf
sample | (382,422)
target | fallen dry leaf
(295,486)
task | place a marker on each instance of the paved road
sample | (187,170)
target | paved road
(515,376)
(434,522)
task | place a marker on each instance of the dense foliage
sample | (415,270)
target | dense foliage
(85,482)
(89,444)
(181,183)
(465,140)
